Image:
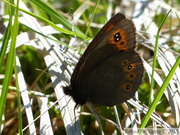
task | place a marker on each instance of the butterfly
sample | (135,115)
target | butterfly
(110,70)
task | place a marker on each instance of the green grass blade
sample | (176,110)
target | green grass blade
(50,23)
(97,3)
(53,13)
(5,41)
(161,91)
(9,66)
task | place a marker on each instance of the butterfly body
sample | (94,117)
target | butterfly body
(110,71)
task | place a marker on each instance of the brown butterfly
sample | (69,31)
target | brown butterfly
(110,71)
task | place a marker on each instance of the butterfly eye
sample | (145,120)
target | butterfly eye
(117,37)
(132,76)
(129,67)
(122,43)
(125,62)
(127,86)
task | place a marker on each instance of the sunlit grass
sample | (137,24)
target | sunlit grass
(32,43)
